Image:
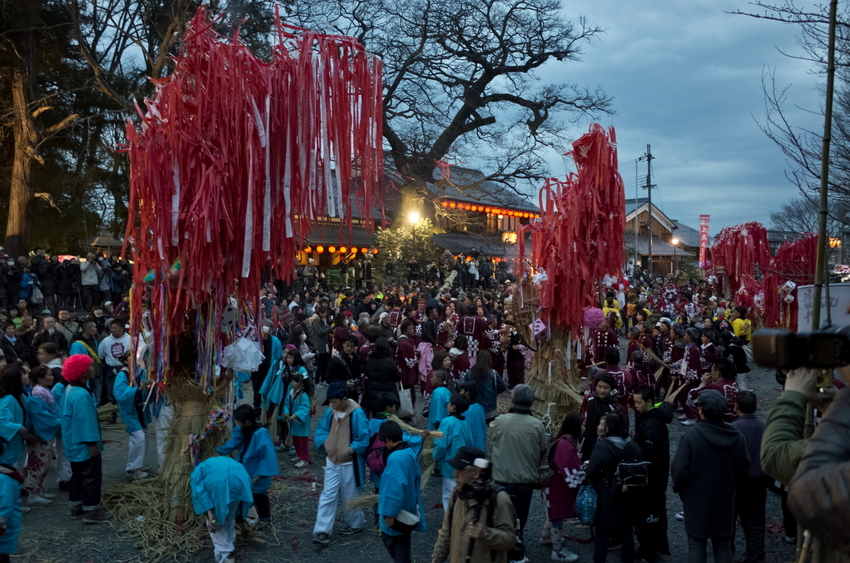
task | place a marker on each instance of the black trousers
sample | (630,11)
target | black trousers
(398,547)
(750,506)
(322,366)
(651,526)
(521,494)
(256,385)
(85,484)
(261,502)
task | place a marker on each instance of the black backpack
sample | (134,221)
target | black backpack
(632,470)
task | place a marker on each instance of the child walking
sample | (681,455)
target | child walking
(255,450)
(440,398)
(297,410)
(456,435)
(474,415)
(45,424)
(131,403)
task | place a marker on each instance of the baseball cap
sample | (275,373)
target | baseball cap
(467,456)
(712,402)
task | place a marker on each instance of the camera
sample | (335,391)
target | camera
(821,349)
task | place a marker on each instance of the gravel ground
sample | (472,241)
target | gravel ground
(49,536)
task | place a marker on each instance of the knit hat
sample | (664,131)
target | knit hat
(421,301)
(337,390)
(75,366)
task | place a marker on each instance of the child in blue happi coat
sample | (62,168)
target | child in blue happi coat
(400,506)
(292,368)
(131,404)
(474,414)
(221,489)
(10,508)
(45,425)
(456,434)
(297,411)
(440,398)
(255,451)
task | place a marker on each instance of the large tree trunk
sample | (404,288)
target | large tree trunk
(25,131)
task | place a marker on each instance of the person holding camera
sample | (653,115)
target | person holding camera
(479,525)
(818,492)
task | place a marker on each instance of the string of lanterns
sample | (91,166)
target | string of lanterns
(341,250)
(492,210)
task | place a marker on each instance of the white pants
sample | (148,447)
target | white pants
(136,450)
(63,466)
(448,485)
(163,425)
(339,487)
(223,537)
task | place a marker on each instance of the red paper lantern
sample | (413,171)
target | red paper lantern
(445,204)
(320,249)
(308,250)
(452,205)
(343,249)
(374,251)
(364,250)
(331,249)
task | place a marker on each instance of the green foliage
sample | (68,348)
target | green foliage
(401,244)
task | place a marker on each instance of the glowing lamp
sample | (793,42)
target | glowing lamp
(445,204)
(374,251)
(452,205)
(332,249)
(343,249)
(364,250)
(308,250)
(320,249)
(487,209)
(354,250)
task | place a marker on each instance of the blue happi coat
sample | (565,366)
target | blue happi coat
(359,439)
(273,388)
(126,397)
(300,407)
(220,484)
(400,489)
(456,434)
(414,442)
(79,423)
(10,508)
(58,391)
(477,425)
(259,457)
(12,418)
(43,417)
(439,408)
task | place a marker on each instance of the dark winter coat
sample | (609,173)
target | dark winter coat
(710,464)
(67,280)
(652,436)
(594,409)
(381,377)
(614,508)
(47,274)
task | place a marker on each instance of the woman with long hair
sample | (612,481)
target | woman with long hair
(13,414)
(340,331)
(563,458)
(489,384)
(381,373)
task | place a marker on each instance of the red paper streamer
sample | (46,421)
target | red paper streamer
(794,261)
(579,237)
(236,157)
(740,249)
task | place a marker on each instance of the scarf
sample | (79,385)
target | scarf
(43,393)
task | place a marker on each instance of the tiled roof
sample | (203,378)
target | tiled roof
(463,243)
(488,193)
(332,234)
(659,247)
(688,235)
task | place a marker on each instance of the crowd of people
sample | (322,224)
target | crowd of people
(402,366)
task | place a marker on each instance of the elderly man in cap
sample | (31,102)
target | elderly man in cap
(479,525)
(708,469)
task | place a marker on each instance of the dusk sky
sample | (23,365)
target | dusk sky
(686,78)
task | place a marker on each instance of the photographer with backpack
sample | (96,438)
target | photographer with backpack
(479,525)
(614,504)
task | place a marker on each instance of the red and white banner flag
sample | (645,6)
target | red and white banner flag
(703,238)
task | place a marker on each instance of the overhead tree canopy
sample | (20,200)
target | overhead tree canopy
(463,78)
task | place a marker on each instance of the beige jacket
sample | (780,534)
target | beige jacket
(338,444)
(516,443)
(453,538)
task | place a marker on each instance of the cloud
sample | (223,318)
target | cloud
(686,79)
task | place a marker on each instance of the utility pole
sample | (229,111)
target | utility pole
(648,187)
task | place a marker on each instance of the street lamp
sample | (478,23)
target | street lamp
(413,217)
(674,241)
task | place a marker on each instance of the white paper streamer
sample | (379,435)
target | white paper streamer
(175,204)
(249,217)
